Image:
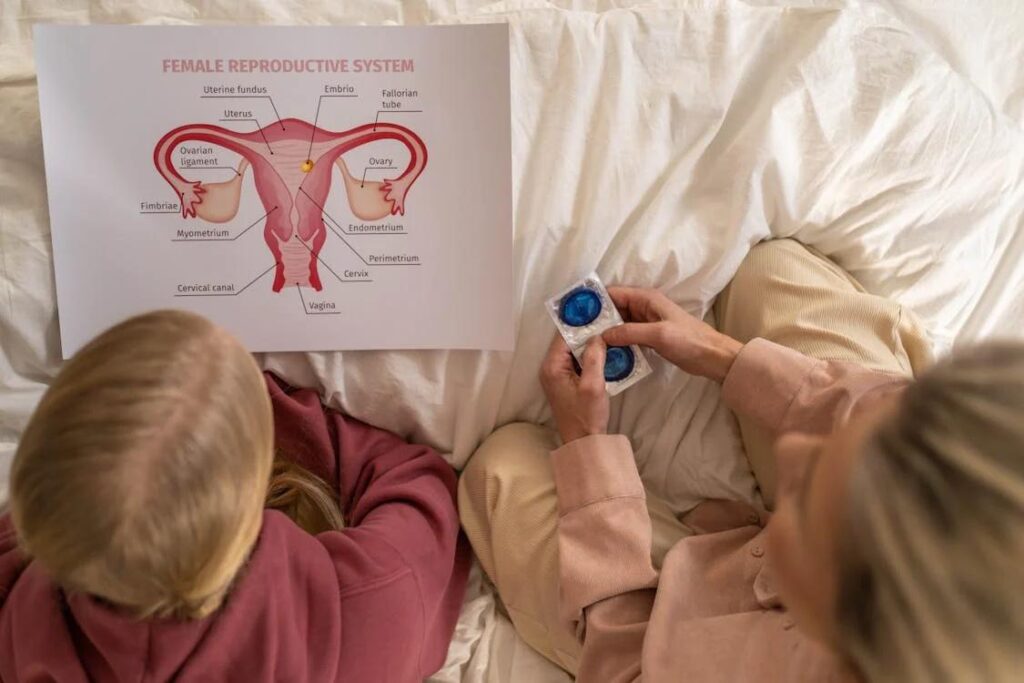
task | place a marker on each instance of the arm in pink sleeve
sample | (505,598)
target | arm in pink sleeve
(604,550)
(402,523)
(784,390)
(400,506)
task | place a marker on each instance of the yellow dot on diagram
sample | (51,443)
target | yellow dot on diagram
(307,166)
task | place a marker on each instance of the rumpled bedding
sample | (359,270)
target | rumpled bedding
(655,143)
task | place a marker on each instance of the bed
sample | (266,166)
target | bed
(655,142)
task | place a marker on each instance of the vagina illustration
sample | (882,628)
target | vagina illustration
(291,162)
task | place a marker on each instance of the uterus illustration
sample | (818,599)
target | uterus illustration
(291,162)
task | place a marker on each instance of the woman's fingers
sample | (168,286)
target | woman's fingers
(639,304)
(645,334)
(558,361)
(632,302)
(592,377)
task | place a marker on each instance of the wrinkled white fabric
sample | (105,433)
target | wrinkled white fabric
(654,144)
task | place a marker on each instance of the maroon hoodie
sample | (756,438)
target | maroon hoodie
(377,601)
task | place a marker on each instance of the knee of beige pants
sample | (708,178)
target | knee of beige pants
(509,510)
(795,296)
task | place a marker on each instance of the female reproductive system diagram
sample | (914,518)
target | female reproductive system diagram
(291,163)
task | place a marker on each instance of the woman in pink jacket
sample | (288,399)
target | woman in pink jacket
(176,515)
(895,552)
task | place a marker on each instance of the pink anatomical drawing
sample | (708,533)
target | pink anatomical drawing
(291,162)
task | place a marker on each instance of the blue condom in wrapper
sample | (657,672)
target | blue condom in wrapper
(584,310)
(579,307)
(618,363)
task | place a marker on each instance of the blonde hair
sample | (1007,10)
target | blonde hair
(141,476)
(932,585)
(304,497)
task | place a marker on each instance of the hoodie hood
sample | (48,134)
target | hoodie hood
(274,625)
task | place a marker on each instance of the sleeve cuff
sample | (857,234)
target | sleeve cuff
(595,468)
(764,379)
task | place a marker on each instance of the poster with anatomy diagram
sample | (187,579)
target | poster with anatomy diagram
(308,188)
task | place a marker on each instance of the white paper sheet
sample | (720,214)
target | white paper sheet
(308,188)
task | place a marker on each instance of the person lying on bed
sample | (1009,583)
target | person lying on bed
(140,546)
(896,548)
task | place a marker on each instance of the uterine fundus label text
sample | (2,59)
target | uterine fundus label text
(308,188)
(234,89)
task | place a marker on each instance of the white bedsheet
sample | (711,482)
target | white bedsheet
(655,144)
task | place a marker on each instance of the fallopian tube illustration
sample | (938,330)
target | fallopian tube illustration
(291,162)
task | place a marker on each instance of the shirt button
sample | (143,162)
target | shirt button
(757,551)
(753,518)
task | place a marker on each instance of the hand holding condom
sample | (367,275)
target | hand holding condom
(577,396)
(585,310)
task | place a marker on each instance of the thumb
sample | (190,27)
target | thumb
(645,334)
(593,360)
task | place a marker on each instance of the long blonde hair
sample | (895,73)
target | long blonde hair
(141,477)
(932,586)
(304,497)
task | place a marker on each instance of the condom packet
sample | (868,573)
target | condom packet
(583,310)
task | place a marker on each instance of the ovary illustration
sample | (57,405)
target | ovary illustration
(291,162)
(367,199)
(220,200)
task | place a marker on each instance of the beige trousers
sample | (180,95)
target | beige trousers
(795,296)
(783,292)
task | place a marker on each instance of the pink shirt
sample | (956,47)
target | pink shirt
(377,601)
(713,613)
